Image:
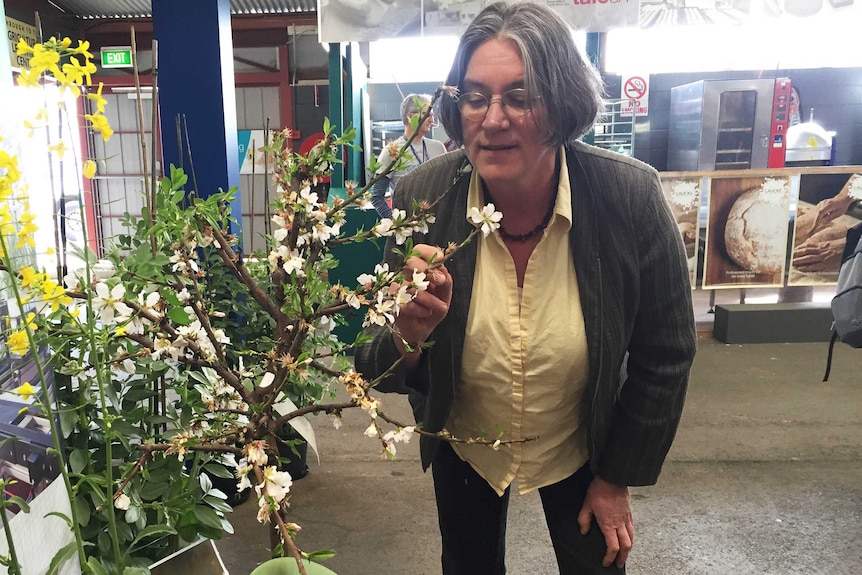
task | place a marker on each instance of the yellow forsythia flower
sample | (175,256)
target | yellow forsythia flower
(55,294)
(18,342)
(26,230)
(83,49)
(100,123)
(6,225)
(98,99)
(89,169)
(59,148)
(25,390)
(23,47)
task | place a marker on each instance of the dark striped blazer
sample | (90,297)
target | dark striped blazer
(635,294)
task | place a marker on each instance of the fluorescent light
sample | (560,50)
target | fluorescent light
(131,89)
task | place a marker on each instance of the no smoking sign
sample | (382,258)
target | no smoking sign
(635,91)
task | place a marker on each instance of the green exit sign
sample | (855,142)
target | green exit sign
(116,57)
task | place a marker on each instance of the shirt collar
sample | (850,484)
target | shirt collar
(562,207)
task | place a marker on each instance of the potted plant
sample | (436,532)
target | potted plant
(186,360)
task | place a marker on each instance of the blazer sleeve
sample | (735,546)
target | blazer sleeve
(661,347)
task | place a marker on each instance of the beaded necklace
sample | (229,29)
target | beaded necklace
(527,235)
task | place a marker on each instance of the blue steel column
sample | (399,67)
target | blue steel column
(196,81)
(336,106)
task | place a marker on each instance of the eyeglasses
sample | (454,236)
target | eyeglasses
(515,102)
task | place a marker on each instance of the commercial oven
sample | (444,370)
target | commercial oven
(728,124)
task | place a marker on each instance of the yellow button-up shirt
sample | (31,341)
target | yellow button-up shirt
(525,365)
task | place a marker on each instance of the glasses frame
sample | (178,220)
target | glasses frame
(511,111)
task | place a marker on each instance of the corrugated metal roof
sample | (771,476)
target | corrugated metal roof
(99,9)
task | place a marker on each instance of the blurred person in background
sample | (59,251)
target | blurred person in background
(420,151)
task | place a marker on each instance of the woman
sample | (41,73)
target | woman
(572,322)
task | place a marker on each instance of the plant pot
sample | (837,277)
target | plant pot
(287,566)
(297,465)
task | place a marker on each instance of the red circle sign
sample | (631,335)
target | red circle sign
(635,88)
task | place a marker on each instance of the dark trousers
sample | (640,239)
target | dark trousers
(473,521)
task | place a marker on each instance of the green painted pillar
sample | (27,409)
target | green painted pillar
(357,81)
(336,106)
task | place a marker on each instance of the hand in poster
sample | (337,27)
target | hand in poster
(819,256)
(825,212)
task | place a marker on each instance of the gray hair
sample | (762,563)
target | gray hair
(554,69)
(408,106)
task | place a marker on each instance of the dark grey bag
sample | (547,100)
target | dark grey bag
(847,303)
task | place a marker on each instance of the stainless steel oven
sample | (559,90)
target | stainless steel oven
(728,124)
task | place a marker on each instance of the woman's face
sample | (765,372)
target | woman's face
(506,149)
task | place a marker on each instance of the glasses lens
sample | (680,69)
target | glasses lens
(516,101)
(473,105)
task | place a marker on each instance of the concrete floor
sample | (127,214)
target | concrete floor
(765,477)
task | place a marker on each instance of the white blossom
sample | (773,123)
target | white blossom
(371,431)
(307,199)
(276,484)
(383,228)
(381,312)
(353,300)
(488,219)
(163,346)
(256,452)
(108,301)
(418,281)
(122,502)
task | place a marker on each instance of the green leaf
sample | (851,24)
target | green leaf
(82,509)
(153,490)
(15,500)
(152,531)
(218,470)
(62,516)
(178,316)
(321,555)
(61,557)
(208,516)
(217,504)
(136,571)
(137,395)
(96,568)
(206,482)
(68,421)
(132,514)
(78,460)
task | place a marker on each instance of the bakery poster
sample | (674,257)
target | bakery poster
(683,195)
(829,205)
(746,235)
(366,20)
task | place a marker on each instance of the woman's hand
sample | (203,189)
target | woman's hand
(609,503)
(419,317)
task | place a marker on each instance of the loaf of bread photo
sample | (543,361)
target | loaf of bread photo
(755,235)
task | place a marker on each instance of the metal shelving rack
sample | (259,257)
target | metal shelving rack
(614,131)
